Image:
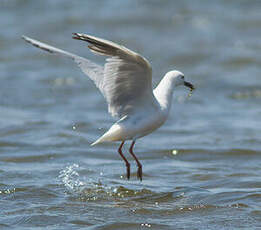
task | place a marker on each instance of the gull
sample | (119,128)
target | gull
(125,81)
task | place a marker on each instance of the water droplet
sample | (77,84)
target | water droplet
(174,152)
(190,93)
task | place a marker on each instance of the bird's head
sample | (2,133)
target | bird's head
(177,78)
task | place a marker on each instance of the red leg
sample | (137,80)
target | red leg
(126,161)
(139,172)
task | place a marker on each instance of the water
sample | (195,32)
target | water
(201,169)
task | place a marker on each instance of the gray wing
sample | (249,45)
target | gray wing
(127,80)
(94,71)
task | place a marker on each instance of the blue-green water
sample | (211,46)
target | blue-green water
(201,169)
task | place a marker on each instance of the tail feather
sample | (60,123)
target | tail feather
(113,134)
(96,142)
(106,137)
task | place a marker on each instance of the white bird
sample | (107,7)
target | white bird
(125,81)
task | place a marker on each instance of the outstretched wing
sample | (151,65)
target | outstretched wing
(125,79)
(94,71)
(127,83)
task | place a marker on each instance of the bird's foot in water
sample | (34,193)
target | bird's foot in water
(128,171)
(139,172)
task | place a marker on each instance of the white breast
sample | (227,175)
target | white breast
(141,124)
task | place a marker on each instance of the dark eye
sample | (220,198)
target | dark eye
(182,77)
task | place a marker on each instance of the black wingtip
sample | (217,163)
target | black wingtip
(75,36)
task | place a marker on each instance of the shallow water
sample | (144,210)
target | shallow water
(201,169)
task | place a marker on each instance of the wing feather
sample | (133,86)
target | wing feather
(124,80)
(94,71)
(127,76)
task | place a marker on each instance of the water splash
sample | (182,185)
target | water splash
(70,178)
(89,189)
(7,191)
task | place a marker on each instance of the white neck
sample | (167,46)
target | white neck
(163,93)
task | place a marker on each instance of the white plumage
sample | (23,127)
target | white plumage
(126,83)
